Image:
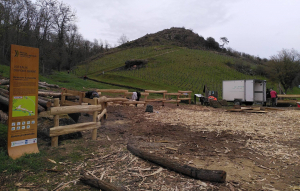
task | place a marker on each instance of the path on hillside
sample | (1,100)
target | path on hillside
(128,87)
(123,86)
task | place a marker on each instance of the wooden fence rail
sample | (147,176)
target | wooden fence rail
(61,130)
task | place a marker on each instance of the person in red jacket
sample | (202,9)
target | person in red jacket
(273,97)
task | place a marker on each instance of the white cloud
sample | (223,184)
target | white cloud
(255,27)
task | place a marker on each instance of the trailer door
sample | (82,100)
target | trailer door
(259,90)
(249,90)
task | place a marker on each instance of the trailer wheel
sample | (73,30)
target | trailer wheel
(237,102)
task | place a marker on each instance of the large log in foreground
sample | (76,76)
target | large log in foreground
(201,174)
(97,183)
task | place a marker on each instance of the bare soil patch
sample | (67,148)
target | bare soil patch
(258,151)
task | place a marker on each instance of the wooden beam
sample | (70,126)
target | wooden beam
(154,100)
(156,91)
(88,100)
(172,100)
(116,99)
(288,96)
(62,130)
(74,109)
(54,140)
(173,94)
(185,98)
(287,101)
(112,90)
(101,114)
(134,102)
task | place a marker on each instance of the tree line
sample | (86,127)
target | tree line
(48,25)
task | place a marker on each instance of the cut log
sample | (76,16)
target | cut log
(50,94)
(197,173)
(4,91)
(4,100)
(3,117)
(48,85)
(4,82)
(45,104)
(97,183)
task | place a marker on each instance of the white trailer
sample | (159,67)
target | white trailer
(245,91)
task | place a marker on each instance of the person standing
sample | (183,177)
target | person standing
(273,97)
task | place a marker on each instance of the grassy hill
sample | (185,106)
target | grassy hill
(169,67)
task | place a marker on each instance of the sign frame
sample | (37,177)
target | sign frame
(23,101)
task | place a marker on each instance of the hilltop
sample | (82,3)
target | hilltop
(174,36)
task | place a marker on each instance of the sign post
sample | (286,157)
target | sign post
(23,101)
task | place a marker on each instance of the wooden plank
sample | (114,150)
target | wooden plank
(273,109)
(174,94)
(116,99)
(153,100)
(54,140)
(112,90)
(88,100)
(134,102)
(287,101)
(179,91)
(185,98)
(142,93)
(156,91)
(62,130)
(173,100)
(288,96)
(74,109)
(255,111)
(104,111)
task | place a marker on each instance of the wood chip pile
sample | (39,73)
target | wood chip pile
(269,131)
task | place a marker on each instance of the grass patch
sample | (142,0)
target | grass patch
(31,162)
(70,81)
(4,71)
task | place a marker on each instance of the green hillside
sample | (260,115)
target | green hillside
(169,67)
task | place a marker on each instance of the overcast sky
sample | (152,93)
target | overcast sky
(257,27)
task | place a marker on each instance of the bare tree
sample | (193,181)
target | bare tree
(284,67)
(63,16)
(123,39)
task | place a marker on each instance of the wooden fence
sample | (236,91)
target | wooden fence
(61,130)
(283,96)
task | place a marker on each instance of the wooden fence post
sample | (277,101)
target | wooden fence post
(94,131)
(54,140)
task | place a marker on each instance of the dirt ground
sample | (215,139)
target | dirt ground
(258,151)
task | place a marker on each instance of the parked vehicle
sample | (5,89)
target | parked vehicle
(245,91)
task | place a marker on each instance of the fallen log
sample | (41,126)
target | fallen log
(97,183)
(197,173)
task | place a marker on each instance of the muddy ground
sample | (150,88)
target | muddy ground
(259,151)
